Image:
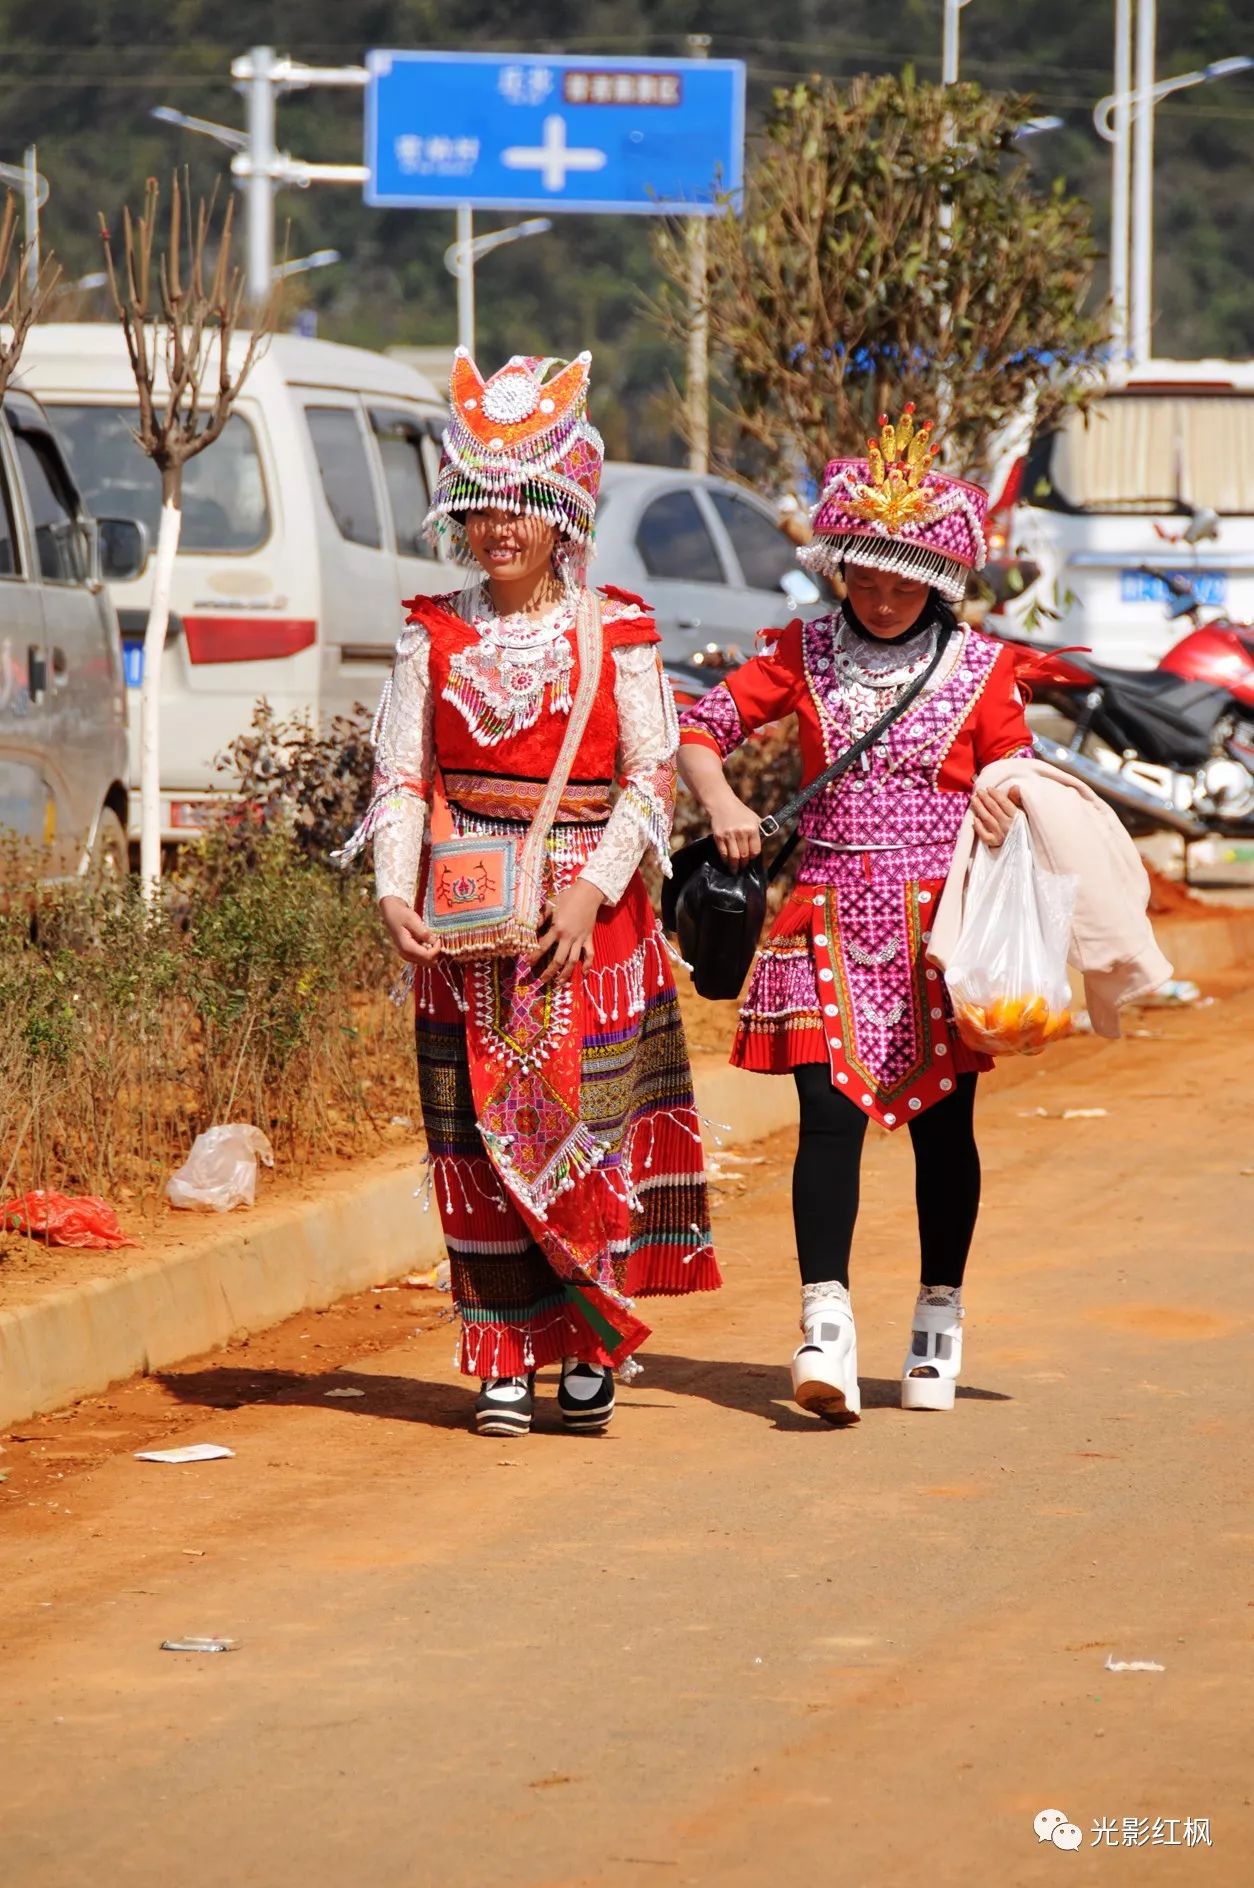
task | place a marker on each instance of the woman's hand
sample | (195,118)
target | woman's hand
(415,941)
(569,921)
(735,827)
(993,809)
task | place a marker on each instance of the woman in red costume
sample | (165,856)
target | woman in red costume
(563,1140)
(842,995)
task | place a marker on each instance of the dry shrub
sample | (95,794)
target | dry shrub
(256,990)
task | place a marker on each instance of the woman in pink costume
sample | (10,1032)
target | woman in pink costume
(842,996)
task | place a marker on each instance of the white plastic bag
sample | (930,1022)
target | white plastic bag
(1008,975)
(221,1170)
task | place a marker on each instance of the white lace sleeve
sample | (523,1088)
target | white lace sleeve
(395,820)
(648,742)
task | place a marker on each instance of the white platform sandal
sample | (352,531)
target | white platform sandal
(825,1366)
(929,1376)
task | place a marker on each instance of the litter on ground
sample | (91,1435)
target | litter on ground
(191,1452)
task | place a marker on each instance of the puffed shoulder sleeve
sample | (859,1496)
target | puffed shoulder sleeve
(1001,731)
(760,691)
(402,736)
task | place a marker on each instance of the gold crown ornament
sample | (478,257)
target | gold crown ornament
(898,462)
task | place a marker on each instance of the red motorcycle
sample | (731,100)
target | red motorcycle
(1169,748)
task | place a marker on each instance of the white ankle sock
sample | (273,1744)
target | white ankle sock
(823,1296)
(946,1296)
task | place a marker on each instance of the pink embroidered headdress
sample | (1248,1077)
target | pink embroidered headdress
(892,511)
(521,441)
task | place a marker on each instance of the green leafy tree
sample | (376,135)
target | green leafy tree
(889,249)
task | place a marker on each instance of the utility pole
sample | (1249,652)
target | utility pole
(261,74)
(260,94)
(698,319)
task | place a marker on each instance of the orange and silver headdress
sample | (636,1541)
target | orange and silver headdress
(521,441)
(891,511)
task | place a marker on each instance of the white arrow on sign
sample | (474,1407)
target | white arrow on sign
(554,159)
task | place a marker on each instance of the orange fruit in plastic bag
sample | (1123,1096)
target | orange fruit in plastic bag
(1011,1025)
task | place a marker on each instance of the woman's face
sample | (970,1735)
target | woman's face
(883,603)
(511,547)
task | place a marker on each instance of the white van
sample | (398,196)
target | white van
(1080,511)
(301,534)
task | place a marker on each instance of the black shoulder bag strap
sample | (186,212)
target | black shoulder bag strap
(774,822)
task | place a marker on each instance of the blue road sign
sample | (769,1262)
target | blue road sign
(627,136)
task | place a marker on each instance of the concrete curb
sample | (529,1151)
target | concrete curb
(1212,944)
(245,1275)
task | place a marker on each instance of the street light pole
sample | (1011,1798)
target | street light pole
(1132,261)
(949,43)
(1119,178)
(1142,261)
(461,257)
(698,319)
(949,76)
(30,193)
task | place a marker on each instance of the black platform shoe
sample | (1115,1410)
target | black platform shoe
(504,1406)
(585,1395)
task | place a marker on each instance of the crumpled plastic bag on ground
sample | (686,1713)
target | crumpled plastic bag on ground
(221,1170)
(64,1220)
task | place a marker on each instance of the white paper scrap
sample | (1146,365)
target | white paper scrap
(193,1452)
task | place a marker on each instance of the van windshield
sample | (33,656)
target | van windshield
(1147,453)
(224,493)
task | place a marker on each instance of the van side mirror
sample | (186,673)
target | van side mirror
(124,549)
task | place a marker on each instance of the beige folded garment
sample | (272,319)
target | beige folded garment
(1073,831)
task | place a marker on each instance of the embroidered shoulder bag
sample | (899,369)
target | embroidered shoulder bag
(485,891)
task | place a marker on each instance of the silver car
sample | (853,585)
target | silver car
(62,692)
(709,556)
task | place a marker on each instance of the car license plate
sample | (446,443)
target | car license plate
(133,663)
(1210,587)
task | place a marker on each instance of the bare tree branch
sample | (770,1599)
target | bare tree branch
(181,343)
(22,302)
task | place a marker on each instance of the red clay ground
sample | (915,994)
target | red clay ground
(721,1646)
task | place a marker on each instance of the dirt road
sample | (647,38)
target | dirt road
(723,1645)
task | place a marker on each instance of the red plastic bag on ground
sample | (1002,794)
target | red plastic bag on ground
(62,1221)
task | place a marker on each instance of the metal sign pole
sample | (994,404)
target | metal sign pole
(466,278)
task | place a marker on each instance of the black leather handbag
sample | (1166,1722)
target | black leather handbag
(717,913)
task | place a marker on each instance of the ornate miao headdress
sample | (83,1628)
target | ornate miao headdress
(521,441)
(891,511)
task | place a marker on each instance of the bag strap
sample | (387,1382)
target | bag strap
(843,762)
(590,647)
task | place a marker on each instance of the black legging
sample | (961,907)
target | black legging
(825,1179)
